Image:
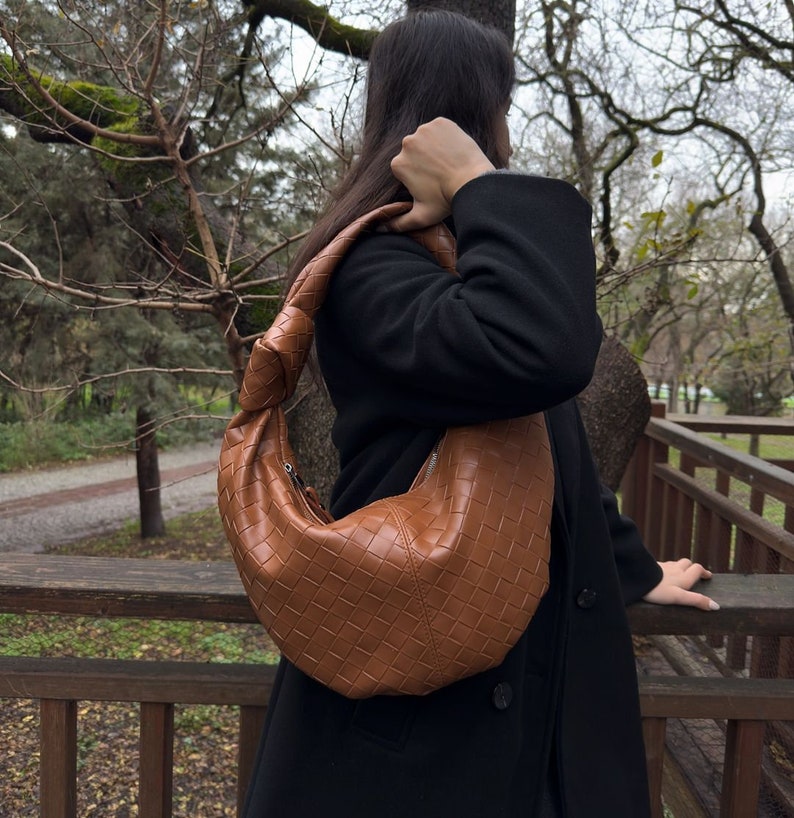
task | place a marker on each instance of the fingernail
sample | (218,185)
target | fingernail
(713,606)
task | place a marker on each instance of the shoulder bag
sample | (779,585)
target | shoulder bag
(409,593)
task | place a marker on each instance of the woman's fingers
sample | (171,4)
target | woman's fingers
(434,163)
(685,572)
(419,216)
(678,577)
(695,600)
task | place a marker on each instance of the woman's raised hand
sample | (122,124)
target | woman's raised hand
(434,163)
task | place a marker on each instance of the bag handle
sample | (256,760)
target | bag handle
(278,357)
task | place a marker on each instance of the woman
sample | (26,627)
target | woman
(408,350)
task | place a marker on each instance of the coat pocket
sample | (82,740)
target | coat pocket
(386,720)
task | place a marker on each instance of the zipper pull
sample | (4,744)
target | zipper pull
(293,476)
(308,495)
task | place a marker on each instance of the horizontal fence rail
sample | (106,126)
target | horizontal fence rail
(750,605)
(694,496)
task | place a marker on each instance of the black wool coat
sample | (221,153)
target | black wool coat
(407,350)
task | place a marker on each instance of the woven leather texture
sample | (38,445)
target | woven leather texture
(409,593)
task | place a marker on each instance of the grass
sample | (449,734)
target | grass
(771,447)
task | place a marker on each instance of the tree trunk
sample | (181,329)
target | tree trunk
(500,14)
(310,416)
(615,408)
(148,468)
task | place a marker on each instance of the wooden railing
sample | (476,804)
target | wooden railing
(693,496)
(151,589)
(680,487)
(751,605)
(691,509)
(711,507)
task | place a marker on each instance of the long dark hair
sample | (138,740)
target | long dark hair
(426,65)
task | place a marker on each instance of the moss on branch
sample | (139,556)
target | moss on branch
(329,32)
(91,106)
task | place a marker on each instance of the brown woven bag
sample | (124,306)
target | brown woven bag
(409,593)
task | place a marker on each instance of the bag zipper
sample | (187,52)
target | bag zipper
(314,515)
(433,461)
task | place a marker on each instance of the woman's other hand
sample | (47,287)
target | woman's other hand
(677,578)
(434,163)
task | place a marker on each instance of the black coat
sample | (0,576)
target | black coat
(407,350)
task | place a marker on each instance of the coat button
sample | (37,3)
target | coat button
(586,598)
(502,696)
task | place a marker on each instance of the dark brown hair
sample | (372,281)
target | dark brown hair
(426,65)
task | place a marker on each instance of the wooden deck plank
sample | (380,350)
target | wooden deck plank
(677,791)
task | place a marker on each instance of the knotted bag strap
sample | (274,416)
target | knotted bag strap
(278,357)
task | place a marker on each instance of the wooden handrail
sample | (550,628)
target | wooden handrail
(177,589)
(675,507)
(750,604)
(702,697)
(775,480)
(734,424)
(695,497)
(755,525)
(114,680)
(113,586)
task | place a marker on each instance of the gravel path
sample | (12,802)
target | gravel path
(50,506)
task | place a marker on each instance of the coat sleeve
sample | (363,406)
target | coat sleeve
(638,570)
(514,333)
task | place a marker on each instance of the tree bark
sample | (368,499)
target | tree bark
(615,409)
(148,470)
(500,14)
(311,416)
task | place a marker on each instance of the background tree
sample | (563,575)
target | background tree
(203,149)
(671,120)
(183,241)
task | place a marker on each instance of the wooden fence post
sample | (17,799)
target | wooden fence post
(58,758)
(653,731)
(741,777)
(155,793)
(252,720)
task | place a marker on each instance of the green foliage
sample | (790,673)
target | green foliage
(753,375)
(40,442)
(24,445)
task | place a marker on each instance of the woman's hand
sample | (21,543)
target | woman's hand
(434,163)
(678,577)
